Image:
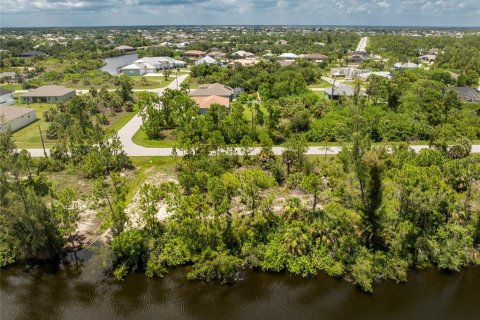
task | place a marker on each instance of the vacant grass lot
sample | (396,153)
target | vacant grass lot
(29,136)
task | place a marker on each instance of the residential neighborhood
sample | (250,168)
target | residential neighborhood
(259,171)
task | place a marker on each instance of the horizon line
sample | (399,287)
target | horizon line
(246,25)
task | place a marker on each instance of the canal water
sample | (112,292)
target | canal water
(83,290)
(113,64)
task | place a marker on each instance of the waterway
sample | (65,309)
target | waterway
(84,290)
(112,64)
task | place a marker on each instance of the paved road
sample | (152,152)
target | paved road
(137,151)
(127,132)
(362,45)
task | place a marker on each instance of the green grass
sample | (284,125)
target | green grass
(144,164)
(11,86)
(29,136)
(153,82)
(321,94)
(141,139)
(322,84)
(120,119)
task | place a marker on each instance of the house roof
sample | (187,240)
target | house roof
(467,94)
(245,62)
(216,54)
(215,89)
(7,74)
(207,60)
(207,101)
(5,91)
(135,66)
(405,65)
(241,53)
(343,90)
(288,55)
(49,91)
(314,56)
(194,53)
(9,112)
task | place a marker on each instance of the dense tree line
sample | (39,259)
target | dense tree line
(367,215)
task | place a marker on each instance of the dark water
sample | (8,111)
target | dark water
(83,291)
(117,62)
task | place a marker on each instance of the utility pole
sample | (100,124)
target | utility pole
(176,78)
(43,143)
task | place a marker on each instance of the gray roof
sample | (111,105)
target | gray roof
(467,94)
(342,90)
(49,91)
(8,113)
(5,91)
(7,74)
(215,89)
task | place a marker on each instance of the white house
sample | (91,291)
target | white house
(206,60)
(6,96)
(288,56)
(405,65)
(160,63)
(14,118)
(135,69)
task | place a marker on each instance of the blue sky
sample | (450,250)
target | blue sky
(31,13)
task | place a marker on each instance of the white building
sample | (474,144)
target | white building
(206,60)
(13,118)
(6,96)
(288,56)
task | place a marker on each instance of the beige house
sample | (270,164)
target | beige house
(204,102)
(13,118)
(48,94)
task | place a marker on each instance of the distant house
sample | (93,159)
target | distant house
(9,77)
(288,56)
(347,72)
(317,57)
(153,64)
(217,55)
(358,56)
(244,62)
(31,54)
(281,43)
(48,94)
(405,65)
(194,53)
(14,118)
(242,54)
(336,92)
(429,58)
(207,60)
(215,89)
(467,94)
(6,96)
(125,48)
(204,102)
(137,69)
(384,74)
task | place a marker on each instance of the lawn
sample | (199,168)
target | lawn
(140,82)
(322,84)
(11,86)
(120,119)
(141,139)
(29,136)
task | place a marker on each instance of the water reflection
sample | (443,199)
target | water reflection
(82,290)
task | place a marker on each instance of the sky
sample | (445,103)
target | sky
(42,13)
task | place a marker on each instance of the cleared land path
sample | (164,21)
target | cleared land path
(362,45)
